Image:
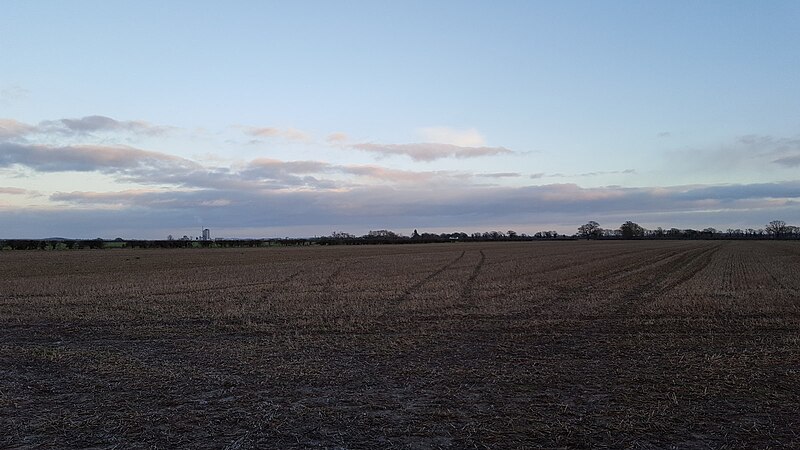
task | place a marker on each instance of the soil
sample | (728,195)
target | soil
(490,345)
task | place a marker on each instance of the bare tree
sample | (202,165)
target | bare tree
(590,230)
(777,229)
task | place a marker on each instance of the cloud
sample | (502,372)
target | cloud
(12,129)
(744,153)
(12,93)
(788,161)
(18,191)
(294,167)
(290,134)
(499,175)
(126,197)
(133,165)
(294,173)
(87,126)
(303,194)
(607,172)
(585,174)
(145,213)
(397,176)
(445,135)
(337,138)
(430,151)
(100,124)
(470,206)
(86,158)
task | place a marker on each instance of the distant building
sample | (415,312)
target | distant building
(206,234)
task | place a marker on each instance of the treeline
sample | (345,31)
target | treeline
(83,244)
(390,237)
(776,229)
(336,238)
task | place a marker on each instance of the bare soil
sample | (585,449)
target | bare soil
(506,345)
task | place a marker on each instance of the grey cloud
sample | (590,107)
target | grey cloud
(468,206)
(93,124)
(162,199)
(153,168)
(787,189)
(14,130)
(85,158)
(743,153)
(788,161)
(430,151)
(294,167)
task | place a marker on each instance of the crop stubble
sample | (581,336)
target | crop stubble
(549,344)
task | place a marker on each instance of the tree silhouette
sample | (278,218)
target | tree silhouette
(631,230)
(777,229)
(590,230)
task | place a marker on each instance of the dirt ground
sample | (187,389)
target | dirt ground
(487,345)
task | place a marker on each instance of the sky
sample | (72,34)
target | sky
(298,119)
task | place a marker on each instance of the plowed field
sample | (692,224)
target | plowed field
(503,345)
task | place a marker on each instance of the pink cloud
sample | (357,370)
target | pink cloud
(10,128)
(430,151)
(17,191)
(290,134)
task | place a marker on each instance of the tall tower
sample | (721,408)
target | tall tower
(206,234)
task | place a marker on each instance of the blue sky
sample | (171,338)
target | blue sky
(143,119)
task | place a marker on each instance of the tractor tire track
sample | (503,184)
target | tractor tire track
(566,284)
(680,271)
(330,280)
(284,280)
(406,294)
(586,262)
(636,267)
(467,291)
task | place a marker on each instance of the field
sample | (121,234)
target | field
(504,345)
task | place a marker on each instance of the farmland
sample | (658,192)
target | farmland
(544,344)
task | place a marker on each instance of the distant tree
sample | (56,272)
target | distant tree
(776,229)
(590,230)
(631,230)
(415,234)
(384,234)
(674,233)
(511,234)
(170,238)
(709,233)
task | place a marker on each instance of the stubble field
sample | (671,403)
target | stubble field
(502,345)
